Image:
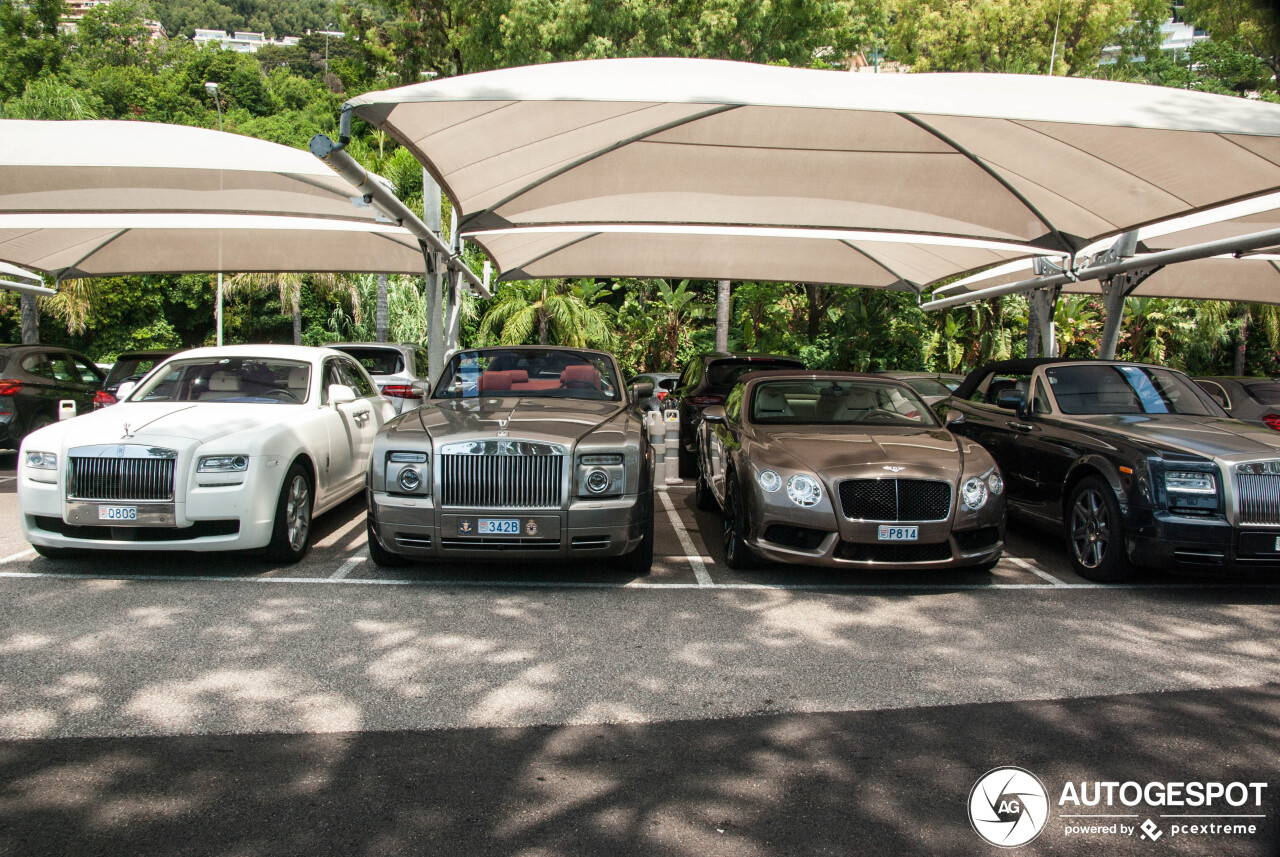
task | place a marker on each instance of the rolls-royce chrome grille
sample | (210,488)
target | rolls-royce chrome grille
(895,499)
(140,474)
(1258,492)
(501,475)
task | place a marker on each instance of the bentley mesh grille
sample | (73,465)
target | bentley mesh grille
(501,481)
(1259,497)
(895,499)
(120,479)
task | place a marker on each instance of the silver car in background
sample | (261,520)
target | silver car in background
(399,370)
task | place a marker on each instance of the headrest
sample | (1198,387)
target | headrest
(580,373)
(859,400)
(223,382)
(298,378)
(770,401)
(518,376)
(495,381)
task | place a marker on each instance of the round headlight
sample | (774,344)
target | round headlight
(973,493)
(410,479)
(804,490)
(769,480)
(240,462)
(995,483)
(597,481)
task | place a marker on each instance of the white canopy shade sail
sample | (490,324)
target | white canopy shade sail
(1046,162)
(837,257)
(104,166)
(99,245)
(1252,278)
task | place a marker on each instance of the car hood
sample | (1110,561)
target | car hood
(1215,437)
(154,421)
(551,420)
(823,448)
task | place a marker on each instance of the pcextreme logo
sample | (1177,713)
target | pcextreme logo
(1008,807)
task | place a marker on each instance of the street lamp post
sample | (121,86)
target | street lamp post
(212,88)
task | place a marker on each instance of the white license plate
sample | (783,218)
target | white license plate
(117,513)
(899,534)
(498,526)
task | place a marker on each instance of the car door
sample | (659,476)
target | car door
(368,413)
(719,440)
(344,436)
(1049,449)
(994,428)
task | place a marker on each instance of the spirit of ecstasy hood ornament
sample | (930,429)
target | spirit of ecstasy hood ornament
(126,432)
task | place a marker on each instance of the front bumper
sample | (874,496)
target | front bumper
(415,529)
(1200,546)
(953,549)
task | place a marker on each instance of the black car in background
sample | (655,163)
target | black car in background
(1134,464)
(1254,400)
(132,367)
(705,381)
(33,380)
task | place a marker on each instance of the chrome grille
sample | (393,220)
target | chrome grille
(1258,496)
(120,479)
(501,481)
(895,499)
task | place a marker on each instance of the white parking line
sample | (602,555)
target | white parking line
(347,567)
(1022,563)
(332,538)
(695,559)
(593,584)
(19,555)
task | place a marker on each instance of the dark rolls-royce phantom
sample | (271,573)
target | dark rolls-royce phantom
(845,470)
(520,453)
(1135,464)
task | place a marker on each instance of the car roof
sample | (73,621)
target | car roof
(1027,365)
(816,375)
(748,355)
(279,352)
(390,345)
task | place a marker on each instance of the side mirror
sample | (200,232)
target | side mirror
(124,390)
(954,418)
(642,390)
(1011,400)
(714,414)
(341,394)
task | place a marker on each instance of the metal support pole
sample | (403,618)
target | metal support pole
(218,311)
(1113,296)
(431,210)
(1041,305)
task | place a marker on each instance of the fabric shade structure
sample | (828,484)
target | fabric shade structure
(15,279)
(1050,164)
(99,245)
(1250,277)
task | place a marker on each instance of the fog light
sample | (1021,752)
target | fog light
(597,481)
(769,480)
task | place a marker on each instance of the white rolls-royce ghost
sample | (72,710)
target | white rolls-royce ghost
(232,448)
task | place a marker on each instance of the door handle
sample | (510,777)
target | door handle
(1023,427)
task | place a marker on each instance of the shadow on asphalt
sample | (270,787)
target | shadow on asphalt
(879,782)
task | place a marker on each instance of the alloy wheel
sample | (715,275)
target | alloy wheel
(298,512)
(1090,528)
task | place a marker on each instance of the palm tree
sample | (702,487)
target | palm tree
(289,287)
(561,313)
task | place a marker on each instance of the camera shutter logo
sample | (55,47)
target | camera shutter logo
(1008,807)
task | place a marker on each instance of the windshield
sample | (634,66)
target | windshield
(132,369)
(376,361)
(838,402)
(929,387)
(228,379)
(1127,390)
(723,373)
(503,372)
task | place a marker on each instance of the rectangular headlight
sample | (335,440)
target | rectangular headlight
(606,459)
(407,457)
(42,460)
(601,474)
(408,473)
(223,464)
(1190,482)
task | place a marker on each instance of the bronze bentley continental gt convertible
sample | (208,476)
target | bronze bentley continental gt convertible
(840,469)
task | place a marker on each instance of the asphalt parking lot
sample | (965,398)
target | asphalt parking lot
(159,704)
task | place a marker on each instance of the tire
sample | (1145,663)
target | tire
(39,422)
(688,460)
(1095,533)
(291,536)
(737,554)
(640,561)
(382,557)
(703,498)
